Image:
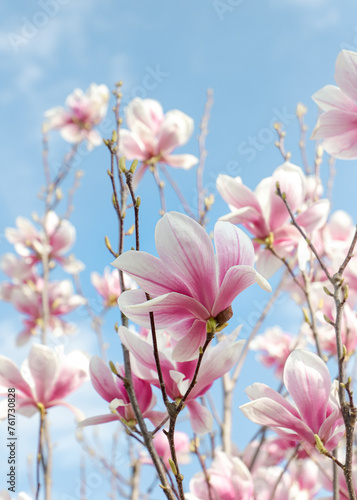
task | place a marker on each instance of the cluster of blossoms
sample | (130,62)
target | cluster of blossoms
(182,300)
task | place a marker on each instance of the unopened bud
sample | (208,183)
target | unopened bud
(138,201)
(133,166)
(122,165)
(173,467)
(112,367)
(301,110)
(114,136)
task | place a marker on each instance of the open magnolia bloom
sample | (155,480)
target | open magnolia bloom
(177,376)
(229,479)
(154,136)
(111,388)
(84,111)
(337,125)
(46,377)
(188,284)
(317,411)
(265,216)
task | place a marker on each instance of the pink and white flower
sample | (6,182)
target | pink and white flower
(337,125)
(108,286)
(30,242)
(27,298)
(182,447)
(188,284)
(229,479)
(264,214)
(317,410)
(153,135)
(177,375)
(276,345)
(45,378)
(111,389)
(84,112)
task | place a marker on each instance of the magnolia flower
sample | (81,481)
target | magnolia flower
(276,345)
(153,135)
(111,389)
(27,298)
(216,361)
(337,125)
(45,378)
(84,112)
(188,284)
(55,239)
(264,214)
(108,286)
(229,479)
(182,447)
(317,410)
(271,452)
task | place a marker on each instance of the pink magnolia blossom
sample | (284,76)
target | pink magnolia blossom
(84,112)
(153,135)
(188,284)
(182,447)
(337,125)
(216,361)
(19,269)
(31,243)
(317,410)
(271,452)
(111,389)
(27,298)
(45,378)
(276,345)
(108,286)
(264,214)
(229,479)
(273,483)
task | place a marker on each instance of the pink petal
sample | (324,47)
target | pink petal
(292,183)
(186,249)
(257,391)
(10,376)
(44,366)
(169,310)
(99,419)
(150,273)
(175,130)
(233,247)
(250,219)
(131,146)
(237,279)
(265,411)
(236,194)
(332,97)
(334,123)
(185,161)
(307,379)
(346,73)
(102,380)
(267,264)
(143,117)
(73,373)
(142,350)
(315,216)
(343,146)
(200,417)
(186,349)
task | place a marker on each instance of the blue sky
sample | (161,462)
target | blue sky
(260,58)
